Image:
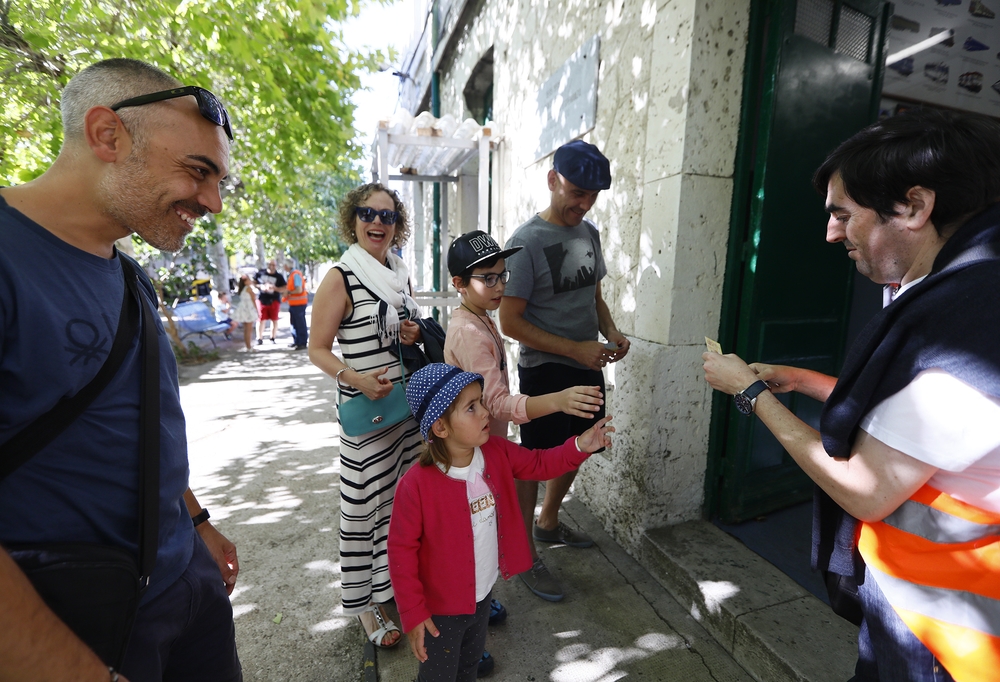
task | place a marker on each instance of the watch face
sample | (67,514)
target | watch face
(743,404)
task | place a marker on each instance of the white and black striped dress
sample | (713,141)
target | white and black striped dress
(370,465)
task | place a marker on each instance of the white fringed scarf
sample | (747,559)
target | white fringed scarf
(388,281)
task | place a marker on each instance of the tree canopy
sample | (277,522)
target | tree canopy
(280,66)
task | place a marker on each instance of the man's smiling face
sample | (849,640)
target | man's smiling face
(172,180)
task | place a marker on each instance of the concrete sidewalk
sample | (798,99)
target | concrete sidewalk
(263,445)
(615,622)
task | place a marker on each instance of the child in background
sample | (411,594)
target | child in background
(245,310)
(455,522)
(473,343)
(222,312)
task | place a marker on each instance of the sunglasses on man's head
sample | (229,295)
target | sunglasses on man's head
(491,279)
(367,215)
(208,104)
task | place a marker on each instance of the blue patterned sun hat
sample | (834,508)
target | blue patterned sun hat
(432,389)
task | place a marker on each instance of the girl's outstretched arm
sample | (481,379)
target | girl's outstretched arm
(596,437)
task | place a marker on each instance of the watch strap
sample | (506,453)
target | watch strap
(755,389)
(200,518)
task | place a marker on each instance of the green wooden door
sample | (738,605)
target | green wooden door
(811,82)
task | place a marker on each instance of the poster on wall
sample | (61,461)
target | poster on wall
(566,104)
(962,72)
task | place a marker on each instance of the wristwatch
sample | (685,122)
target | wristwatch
(747,399)
(200,518)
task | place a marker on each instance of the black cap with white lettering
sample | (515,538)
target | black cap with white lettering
(471,249)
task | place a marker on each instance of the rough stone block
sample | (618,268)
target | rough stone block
(718,49)
(654,473)
(801,640)
(682,259)
(669,89)
(773,627)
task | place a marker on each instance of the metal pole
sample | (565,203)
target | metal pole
(383,153)
(484,179)
(436,113)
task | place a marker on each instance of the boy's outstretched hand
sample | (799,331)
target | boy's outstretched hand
(596,437)
(416,637)
(580,401)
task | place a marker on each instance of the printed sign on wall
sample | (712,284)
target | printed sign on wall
(962,72)
(567,101)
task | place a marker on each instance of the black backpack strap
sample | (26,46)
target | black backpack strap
(136,312)
(44,429)
(149,430)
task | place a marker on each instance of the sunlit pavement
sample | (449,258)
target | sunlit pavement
(615,623)
(263,449)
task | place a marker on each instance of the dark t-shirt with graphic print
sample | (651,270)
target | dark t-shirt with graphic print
(274,279)
(557,272)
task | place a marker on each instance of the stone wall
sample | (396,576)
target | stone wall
(670,87)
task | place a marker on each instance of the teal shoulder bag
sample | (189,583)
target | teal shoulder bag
(360,414)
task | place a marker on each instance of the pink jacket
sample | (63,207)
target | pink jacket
(432,561)
(471,347)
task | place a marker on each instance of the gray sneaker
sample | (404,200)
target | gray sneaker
(562,534)
(541,582)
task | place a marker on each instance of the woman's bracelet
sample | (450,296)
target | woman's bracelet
(337,376)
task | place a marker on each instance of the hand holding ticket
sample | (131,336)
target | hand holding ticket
(713,346)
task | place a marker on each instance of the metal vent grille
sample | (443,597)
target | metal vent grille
(854,34)
(813,19)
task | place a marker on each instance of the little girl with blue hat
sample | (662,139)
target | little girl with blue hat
(456,524)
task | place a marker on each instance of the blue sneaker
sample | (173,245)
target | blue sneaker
(498,613)
(486,664)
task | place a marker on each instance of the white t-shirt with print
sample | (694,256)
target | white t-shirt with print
(946,423)
(941,420)
(483,509)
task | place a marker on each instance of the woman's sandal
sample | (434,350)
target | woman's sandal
(385,627)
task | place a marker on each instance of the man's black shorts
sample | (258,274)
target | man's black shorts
(550,377)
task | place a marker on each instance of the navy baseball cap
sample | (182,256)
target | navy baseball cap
(471,249)
(584,165)
(432,389)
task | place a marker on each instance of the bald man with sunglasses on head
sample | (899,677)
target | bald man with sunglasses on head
(141,154)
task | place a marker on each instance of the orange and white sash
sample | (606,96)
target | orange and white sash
(937,561)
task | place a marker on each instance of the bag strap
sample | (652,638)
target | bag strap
(149,436)
(136,313)
(44,429)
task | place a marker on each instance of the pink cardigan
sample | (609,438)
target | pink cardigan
(432,561)
(471,347)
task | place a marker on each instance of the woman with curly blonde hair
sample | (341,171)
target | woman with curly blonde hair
(365,304)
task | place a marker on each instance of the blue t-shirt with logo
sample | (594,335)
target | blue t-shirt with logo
(59,310)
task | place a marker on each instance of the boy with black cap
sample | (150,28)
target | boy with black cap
(553,306)
(476,264)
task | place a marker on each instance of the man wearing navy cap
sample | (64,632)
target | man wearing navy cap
(553,307)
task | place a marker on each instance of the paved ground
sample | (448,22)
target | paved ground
(263,447)
(262,438)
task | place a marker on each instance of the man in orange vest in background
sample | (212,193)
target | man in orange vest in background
(907,458)
(298,299)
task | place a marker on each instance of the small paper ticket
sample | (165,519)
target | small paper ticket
(713,346)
